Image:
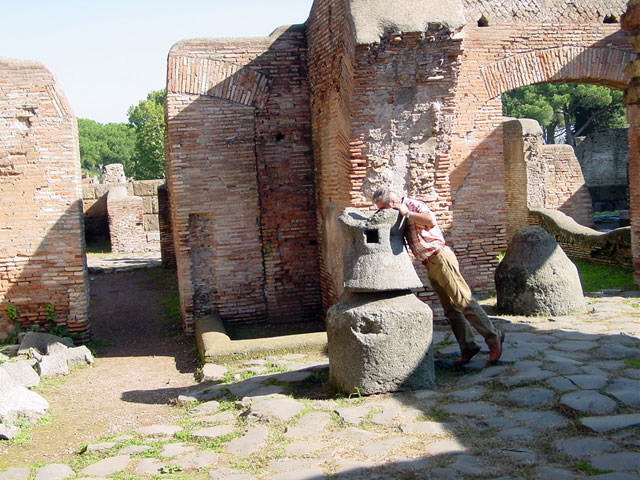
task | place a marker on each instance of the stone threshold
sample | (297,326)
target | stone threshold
(214,342)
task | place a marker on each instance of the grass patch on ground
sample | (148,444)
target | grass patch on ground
(103,246)
(632,362)
(596,277)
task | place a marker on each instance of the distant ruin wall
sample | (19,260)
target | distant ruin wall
(41,233)
(96,217)
(126,225)
(541,176)
(604,158)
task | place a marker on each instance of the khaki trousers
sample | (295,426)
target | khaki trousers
(460,308)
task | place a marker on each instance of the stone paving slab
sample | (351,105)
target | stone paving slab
(611,422)
(54,471)
(252,440)
(618,462)
(311,424)
(583,447)
(588,401)
(107,466)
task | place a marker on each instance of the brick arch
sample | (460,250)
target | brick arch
(570,64)
(217,78)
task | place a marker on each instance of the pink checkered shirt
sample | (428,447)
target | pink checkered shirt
(423,241)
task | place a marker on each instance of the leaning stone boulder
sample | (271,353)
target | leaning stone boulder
(41,342)
(8,432)
(22,372)
(79,356)
(536,277)
(17,401)
(380,342)
(53,365)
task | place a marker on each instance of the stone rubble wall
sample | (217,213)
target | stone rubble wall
(41,233)
(96,216)
(604,158)
(545,11)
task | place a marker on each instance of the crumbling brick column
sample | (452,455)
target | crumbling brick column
(126,224)
(167,251)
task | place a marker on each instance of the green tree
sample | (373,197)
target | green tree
(102,144)
(566,110)
(147,118)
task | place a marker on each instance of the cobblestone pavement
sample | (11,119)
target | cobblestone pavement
(563,403)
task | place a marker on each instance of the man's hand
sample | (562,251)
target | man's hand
(401,207)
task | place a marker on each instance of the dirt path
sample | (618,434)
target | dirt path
(133,378)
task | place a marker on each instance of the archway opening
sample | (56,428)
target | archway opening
(591,119)
(566,155)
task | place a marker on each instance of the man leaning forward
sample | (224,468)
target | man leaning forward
(427,244)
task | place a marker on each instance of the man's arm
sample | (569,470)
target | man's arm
(425,218)
(428,218)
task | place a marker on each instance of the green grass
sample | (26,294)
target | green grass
(595,277)
(632,362)
(172,308)
(586,468)
(99,247)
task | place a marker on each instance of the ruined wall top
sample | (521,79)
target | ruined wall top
(204,46)
(373,18)
(557,11)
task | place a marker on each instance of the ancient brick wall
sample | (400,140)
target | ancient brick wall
(41,233)
(339,164)
(126,223)
(631,23)
(240,178)
(404,94)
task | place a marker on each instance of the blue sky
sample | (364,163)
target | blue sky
(107,55)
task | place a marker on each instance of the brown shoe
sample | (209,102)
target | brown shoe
(495,350)
(467,356)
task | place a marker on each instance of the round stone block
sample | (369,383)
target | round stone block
(536,277)
(380,342)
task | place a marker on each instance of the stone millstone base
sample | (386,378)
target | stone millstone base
(380,342)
